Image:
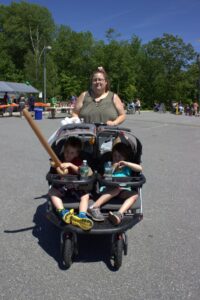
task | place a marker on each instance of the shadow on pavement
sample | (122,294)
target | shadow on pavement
(90,248)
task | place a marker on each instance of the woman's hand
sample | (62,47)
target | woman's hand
(111,123)
(120,108)
(78,105)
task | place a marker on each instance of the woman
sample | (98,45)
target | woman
(99,105)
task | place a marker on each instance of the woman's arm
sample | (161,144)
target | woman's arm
(78,105)
(120,109)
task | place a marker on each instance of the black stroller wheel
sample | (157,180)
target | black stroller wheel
(117,252)
(68,250)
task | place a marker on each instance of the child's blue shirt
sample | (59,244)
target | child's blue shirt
(123,172)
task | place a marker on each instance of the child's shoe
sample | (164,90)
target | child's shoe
(82,221)
(115,217)
(66,215)
(95,214)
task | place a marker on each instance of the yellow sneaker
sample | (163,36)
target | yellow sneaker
(66,215)
(83,223)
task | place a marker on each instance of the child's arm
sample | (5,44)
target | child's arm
(132,166)
(74,168)
(67,165)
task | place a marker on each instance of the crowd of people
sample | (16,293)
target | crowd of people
(179,108)
(29,102)
(187,109)
(21,102)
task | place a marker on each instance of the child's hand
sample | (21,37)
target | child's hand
(118,165)
(61,171)
(121,164)
(52,163)
(65,165)
(115,166)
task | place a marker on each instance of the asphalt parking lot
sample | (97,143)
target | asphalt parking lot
(163,260)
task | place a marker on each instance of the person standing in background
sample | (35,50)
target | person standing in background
(31,102)
(195,108)
(138,105)
(5,101)
(22,103)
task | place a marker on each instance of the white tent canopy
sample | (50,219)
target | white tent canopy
(13,87)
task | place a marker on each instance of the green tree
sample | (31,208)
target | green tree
(69,85)
(166,59)
(121,61)
(26,28)
(163,69)
(112,35)
(73,53)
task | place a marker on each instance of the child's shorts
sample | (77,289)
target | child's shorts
(124,193)
(62,192)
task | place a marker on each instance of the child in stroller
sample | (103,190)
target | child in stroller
(121,168)
(72,162)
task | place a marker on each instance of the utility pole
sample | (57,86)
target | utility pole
(45,73)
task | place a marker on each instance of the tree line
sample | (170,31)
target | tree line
(162,70)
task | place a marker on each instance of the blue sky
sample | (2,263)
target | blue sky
(147,19)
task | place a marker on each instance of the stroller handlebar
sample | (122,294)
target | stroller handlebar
(74,180)
(135,181)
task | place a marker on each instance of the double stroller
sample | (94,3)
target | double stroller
(97,141)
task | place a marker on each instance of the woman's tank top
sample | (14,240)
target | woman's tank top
(98,112)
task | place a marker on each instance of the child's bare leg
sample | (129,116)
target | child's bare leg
(57,202)
(94,210)
(65,214)
(116,217)
(81,220)
(127,204)
(106,197)
(84,203)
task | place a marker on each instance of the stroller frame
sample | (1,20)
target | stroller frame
(69,233)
